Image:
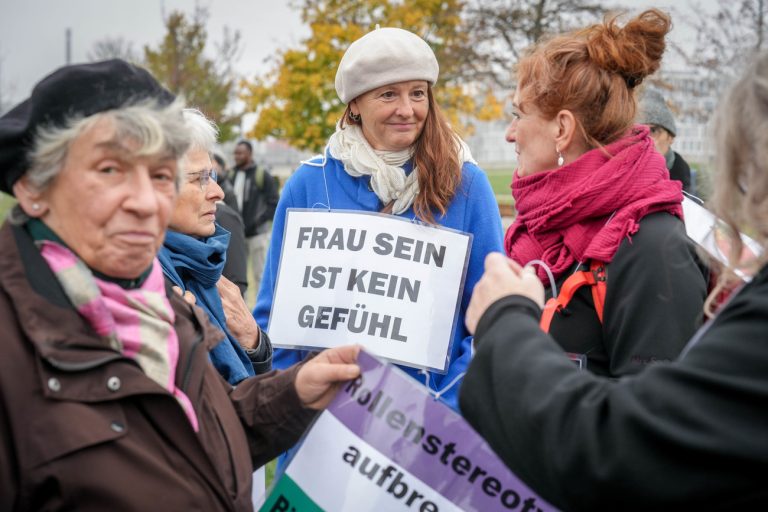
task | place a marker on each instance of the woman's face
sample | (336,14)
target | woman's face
(195,210)
(108,205)
(534,138)
(393,115)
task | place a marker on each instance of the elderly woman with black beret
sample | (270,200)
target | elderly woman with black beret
(107,398)
(394,152)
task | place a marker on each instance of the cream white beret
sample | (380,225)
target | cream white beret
(384,56)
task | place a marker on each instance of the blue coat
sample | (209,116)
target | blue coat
(473,210)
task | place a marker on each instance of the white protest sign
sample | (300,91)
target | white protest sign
(384,282)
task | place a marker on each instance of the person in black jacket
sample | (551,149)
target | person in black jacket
(596,209)
(655,113)
(257,193)
(236,267)
(683,435)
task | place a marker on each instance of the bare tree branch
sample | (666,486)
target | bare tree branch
(728,39)
(113,48)
(501,30)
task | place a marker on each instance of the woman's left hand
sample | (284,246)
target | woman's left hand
(502,277)
(240,321)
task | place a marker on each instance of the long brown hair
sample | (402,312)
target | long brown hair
(740,196)
(436,154)
(593,73)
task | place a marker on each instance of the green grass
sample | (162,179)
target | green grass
(6,202)
(501,179)
(270,472)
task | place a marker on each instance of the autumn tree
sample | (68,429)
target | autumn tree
(296,100)
(180,63)
(500,30)
(727,39)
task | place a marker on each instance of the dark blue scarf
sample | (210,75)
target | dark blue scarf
(195,265)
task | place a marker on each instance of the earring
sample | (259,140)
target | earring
(35,206)
(560,159)
(354,117)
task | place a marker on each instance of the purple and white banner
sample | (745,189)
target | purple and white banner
(386,444)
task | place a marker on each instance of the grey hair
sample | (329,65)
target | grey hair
(157,128)
(203,132)
(740,196)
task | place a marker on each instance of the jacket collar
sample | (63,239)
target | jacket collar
(248,168)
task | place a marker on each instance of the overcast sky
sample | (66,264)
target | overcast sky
(32,32)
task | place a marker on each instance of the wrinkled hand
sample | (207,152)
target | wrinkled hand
(240,321)
(502,277)
(187,295)
(319,378)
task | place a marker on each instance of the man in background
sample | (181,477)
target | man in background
(236,267)
(655,113)
(256,193)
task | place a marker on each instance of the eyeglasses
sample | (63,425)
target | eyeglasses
(204,177)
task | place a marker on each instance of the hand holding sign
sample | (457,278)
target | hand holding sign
(318,379)
(385,444)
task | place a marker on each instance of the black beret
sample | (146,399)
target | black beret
(80,89)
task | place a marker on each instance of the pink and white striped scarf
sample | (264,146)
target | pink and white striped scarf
(138,322)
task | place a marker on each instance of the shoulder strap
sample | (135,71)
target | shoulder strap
(259,177)
(599,288)
(593,276)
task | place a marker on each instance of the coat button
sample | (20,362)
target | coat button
(54,384)
(117,426)
(113,383)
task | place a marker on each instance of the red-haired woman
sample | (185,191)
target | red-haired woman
(595,203)
(394,152)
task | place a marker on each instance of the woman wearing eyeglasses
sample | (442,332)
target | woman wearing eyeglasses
(194,254)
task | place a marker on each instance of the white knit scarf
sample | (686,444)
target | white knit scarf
(388,179)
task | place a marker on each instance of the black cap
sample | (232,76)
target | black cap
(81,89)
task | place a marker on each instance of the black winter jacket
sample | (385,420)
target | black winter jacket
(681,172)
(656,287)
(259,200)
(686,435)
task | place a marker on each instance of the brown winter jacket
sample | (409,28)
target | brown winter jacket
(83,428)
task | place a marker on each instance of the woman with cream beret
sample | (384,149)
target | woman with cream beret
(394,152)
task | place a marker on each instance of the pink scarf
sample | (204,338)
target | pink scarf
(138,322)
(583,210)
